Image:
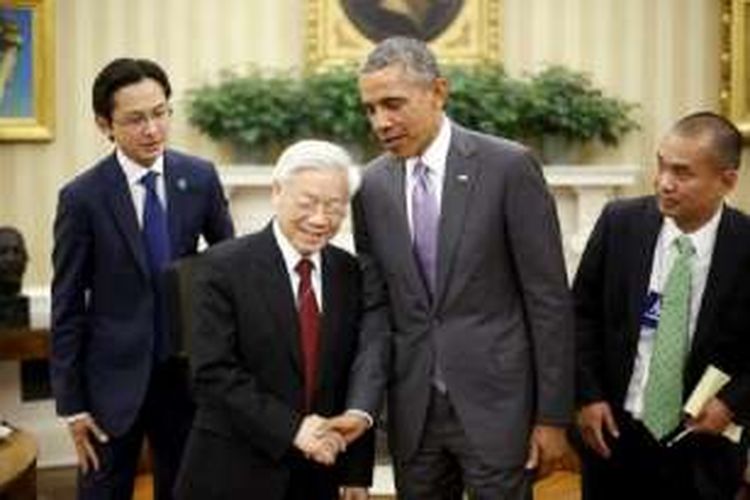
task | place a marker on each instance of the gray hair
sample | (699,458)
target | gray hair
(412,54)
(318,155)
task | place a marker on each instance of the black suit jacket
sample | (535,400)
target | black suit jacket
(248,379)
(609,292)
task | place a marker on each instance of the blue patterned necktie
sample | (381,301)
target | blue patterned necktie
(156,239)
(662,400)
(425,215)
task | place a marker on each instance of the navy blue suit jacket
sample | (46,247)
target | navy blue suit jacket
(102,293)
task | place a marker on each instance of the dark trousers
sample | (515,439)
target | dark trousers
(310,481)
(446,463)
(218,467)
(699,467)
(165,419)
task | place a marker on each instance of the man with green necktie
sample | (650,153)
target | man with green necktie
(656,304)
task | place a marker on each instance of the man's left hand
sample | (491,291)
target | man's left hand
(713,418)
(354,493)
(549,451)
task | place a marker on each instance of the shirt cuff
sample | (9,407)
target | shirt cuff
(363,414)
(69,419)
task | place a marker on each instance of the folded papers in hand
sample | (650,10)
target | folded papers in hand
(710,383)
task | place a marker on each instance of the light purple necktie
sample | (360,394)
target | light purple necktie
(425,215)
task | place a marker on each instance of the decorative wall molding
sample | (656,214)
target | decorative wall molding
(581,191)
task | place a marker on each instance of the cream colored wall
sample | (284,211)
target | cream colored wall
(192,39)
(660,53)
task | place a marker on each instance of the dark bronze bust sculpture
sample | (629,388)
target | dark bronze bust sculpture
(14,307)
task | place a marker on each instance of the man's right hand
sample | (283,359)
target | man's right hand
(82,429)
(593,420)
(349,425)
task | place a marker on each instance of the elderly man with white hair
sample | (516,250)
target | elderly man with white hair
(274,333)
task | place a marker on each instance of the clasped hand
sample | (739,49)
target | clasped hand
(322,439)
(317,441)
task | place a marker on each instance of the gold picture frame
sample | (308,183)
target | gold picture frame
(27,51)
(735,63)
(472,34)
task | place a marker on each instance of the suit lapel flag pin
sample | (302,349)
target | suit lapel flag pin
(181,184)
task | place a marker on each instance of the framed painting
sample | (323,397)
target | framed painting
(735,63)
(27,80)
(459,31)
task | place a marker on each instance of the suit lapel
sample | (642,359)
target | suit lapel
(723,261)
(329,319)
(460,177)
(175,187)
(397,187)
(274,279)
(399,227)
(640,269)
(121,204)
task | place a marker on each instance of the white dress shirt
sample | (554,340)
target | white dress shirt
(291,259)
(665,252)
(134,172)
(434,157)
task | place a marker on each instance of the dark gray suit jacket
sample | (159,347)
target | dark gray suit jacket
(500,326)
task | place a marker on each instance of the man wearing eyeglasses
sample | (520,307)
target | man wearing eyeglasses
(115,375)
(275,332)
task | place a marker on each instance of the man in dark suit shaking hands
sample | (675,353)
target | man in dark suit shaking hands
(656,298)
(275,332)
(468,319)
(114,371)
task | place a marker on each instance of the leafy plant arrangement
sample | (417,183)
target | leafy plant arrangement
(486,99)
(258,111)
(565,103)
(253,111)
(332,107)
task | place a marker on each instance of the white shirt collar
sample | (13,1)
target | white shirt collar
(134,171)
(290,254)
(436,154)
(702,239)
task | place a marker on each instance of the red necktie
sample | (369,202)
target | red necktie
(309,327)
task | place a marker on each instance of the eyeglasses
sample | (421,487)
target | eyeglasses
(140,120)
(331,207)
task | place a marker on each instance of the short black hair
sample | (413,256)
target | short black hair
(725,137)
(120,73)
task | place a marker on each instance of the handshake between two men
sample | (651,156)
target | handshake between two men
(322,439)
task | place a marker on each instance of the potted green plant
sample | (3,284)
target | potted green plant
(254,112)
(332,110)
(485,98)
(267,110)
(563,110)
